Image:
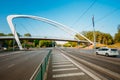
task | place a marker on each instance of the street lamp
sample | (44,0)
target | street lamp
(94,35)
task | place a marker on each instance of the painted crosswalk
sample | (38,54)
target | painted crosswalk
(60,65)
(65,69)
(68,75)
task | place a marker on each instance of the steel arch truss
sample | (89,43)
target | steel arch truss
(51,22)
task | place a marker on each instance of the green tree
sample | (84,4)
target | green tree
(10,34)
(46,43)
(27,43)
(36,43)
(9,43)
(73,44)
(2,34)
(103,38)
(67,45)
(27,34)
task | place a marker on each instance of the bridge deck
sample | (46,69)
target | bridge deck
(41,38)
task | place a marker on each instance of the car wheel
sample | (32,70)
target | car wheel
(96,53)
(107,54)
(115,55)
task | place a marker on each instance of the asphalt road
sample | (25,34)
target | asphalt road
(61,67)
(20,65)
(108,67)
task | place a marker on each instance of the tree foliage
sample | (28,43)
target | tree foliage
(46,43)
(36,43)
(27,43)
(2,34)
(70,44)
(27,34)
(103,38)
(10,34)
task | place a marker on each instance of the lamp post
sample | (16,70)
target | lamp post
(94,35)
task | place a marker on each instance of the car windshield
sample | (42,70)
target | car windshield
(104,49)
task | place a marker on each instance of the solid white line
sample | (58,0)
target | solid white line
(80,67)
(68,75)
(63,65)
(99,68)
(31,78)
(67,69)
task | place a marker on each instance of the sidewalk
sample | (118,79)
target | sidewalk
(60,68)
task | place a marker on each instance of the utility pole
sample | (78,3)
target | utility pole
(94,35)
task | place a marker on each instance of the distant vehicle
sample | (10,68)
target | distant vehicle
(107,51)
(3,48)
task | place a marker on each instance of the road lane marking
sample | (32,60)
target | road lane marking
(83,69)
(7,54)
(11,65)
(117,75)
(62,63)
(68,75)
(59,61)
(70,65)
(67,69)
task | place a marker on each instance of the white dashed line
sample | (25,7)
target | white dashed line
(55,61)
(63,65)
(67,69)
(11,65)
(80,67)
(68,75)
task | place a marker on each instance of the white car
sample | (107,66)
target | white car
(107,51)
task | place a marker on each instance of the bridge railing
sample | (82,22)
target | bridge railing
(45,37)
(41,69)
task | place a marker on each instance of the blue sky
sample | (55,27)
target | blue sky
(67,12)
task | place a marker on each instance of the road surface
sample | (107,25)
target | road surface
(108,67)
(20,65)
(61,67)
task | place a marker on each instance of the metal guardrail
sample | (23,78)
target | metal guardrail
(43,37)
(39,74)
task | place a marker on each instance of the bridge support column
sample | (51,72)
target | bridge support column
(1,44)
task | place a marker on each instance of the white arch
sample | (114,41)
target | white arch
(51,22)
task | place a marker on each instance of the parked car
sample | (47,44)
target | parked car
(107,51)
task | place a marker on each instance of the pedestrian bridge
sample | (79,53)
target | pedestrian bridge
(41,38)
(65,28)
